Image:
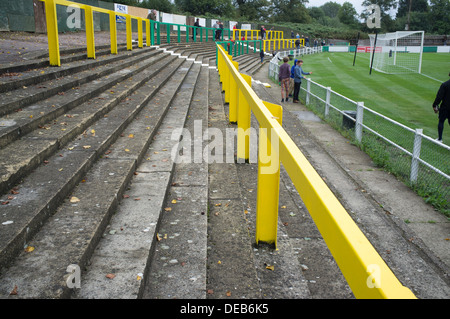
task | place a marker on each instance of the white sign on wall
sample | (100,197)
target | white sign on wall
(122,9)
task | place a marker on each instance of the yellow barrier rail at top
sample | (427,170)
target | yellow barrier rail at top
(365,271)
(52,28)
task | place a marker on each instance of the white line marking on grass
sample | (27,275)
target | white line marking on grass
(330,60)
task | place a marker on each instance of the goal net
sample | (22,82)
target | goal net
(397,52)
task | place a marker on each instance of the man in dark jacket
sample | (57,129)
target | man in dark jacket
(284,76)
(442,97)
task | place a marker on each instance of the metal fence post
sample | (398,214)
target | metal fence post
(52,33)
(113,32)
(359,121)
(416,155)
(327,101)
(268,181)
(308,90)
(89,32)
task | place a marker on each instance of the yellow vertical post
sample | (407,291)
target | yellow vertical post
(233,96)
(268,181)
(244,118)
(128,24)
(89,17)
(147,33)
(52,33)
(113,32)
(140,37)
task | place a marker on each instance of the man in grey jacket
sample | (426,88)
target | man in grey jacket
(298,76)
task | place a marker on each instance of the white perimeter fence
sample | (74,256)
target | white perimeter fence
(415,158)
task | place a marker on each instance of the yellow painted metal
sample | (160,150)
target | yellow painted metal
(52,33)
(113,32)
(147,33)
(233,96)
(89,18)
(365,271)
(268,180)
(140,36)
(128,26)
(244,119)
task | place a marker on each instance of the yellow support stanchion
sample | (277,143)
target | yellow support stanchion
(268,181)
(90,42)
(128,25)
(113,32)
(147,33)
(233,97)
(244,121)
(140,37)
(52,33)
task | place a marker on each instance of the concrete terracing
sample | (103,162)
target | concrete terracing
(96,173)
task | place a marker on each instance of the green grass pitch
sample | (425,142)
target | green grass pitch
(405,98)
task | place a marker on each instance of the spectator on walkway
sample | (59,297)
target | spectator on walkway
(195,30)
(263,33)
(292,34)
(152,15)
(442,98)
(216,32)
(298,76)
(284,76)
(291,80)
(261,55)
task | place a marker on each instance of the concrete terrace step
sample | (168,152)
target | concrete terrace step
(60,118)
(66,56)
(17,99)
(136,223)
(72,231)
(33,76)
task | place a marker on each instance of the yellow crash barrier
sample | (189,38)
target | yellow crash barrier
(365,271)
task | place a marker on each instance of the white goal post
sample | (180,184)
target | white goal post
(397,52)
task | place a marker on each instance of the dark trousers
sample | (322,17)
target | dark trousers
(443,115)
(296,90)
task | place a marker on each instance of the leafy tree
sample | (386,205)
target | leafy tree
(331,9)
(347,14)
(203,7)
(416,6)
(440,16)
(290,11)
(160,5)
(252,10)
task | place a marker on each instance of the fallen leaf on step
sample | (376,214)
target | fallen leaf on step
(14,291)
(168,209)
(110,276)
(74,199)
(29,249)
(174,201)
(270,268)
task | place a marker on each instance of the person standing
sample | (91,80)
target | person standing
(263,33)
(216,32)
(442,98)
(291,80)
(298,76)
(261,55)
(284,76)
(195,30)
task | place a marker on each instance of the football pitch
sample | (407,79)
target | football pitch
(405,98)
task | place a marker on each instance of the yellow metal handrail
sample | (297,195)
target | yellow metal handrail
(52,28)
(365,271)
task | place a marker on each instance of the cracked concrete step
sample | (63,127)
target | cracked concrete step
(178,266)
(25,154)
(139,221)
(17,99)
(66,56)
(43,190)
(48,73)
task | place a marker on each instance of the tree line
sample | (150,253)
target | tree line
(432,16)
